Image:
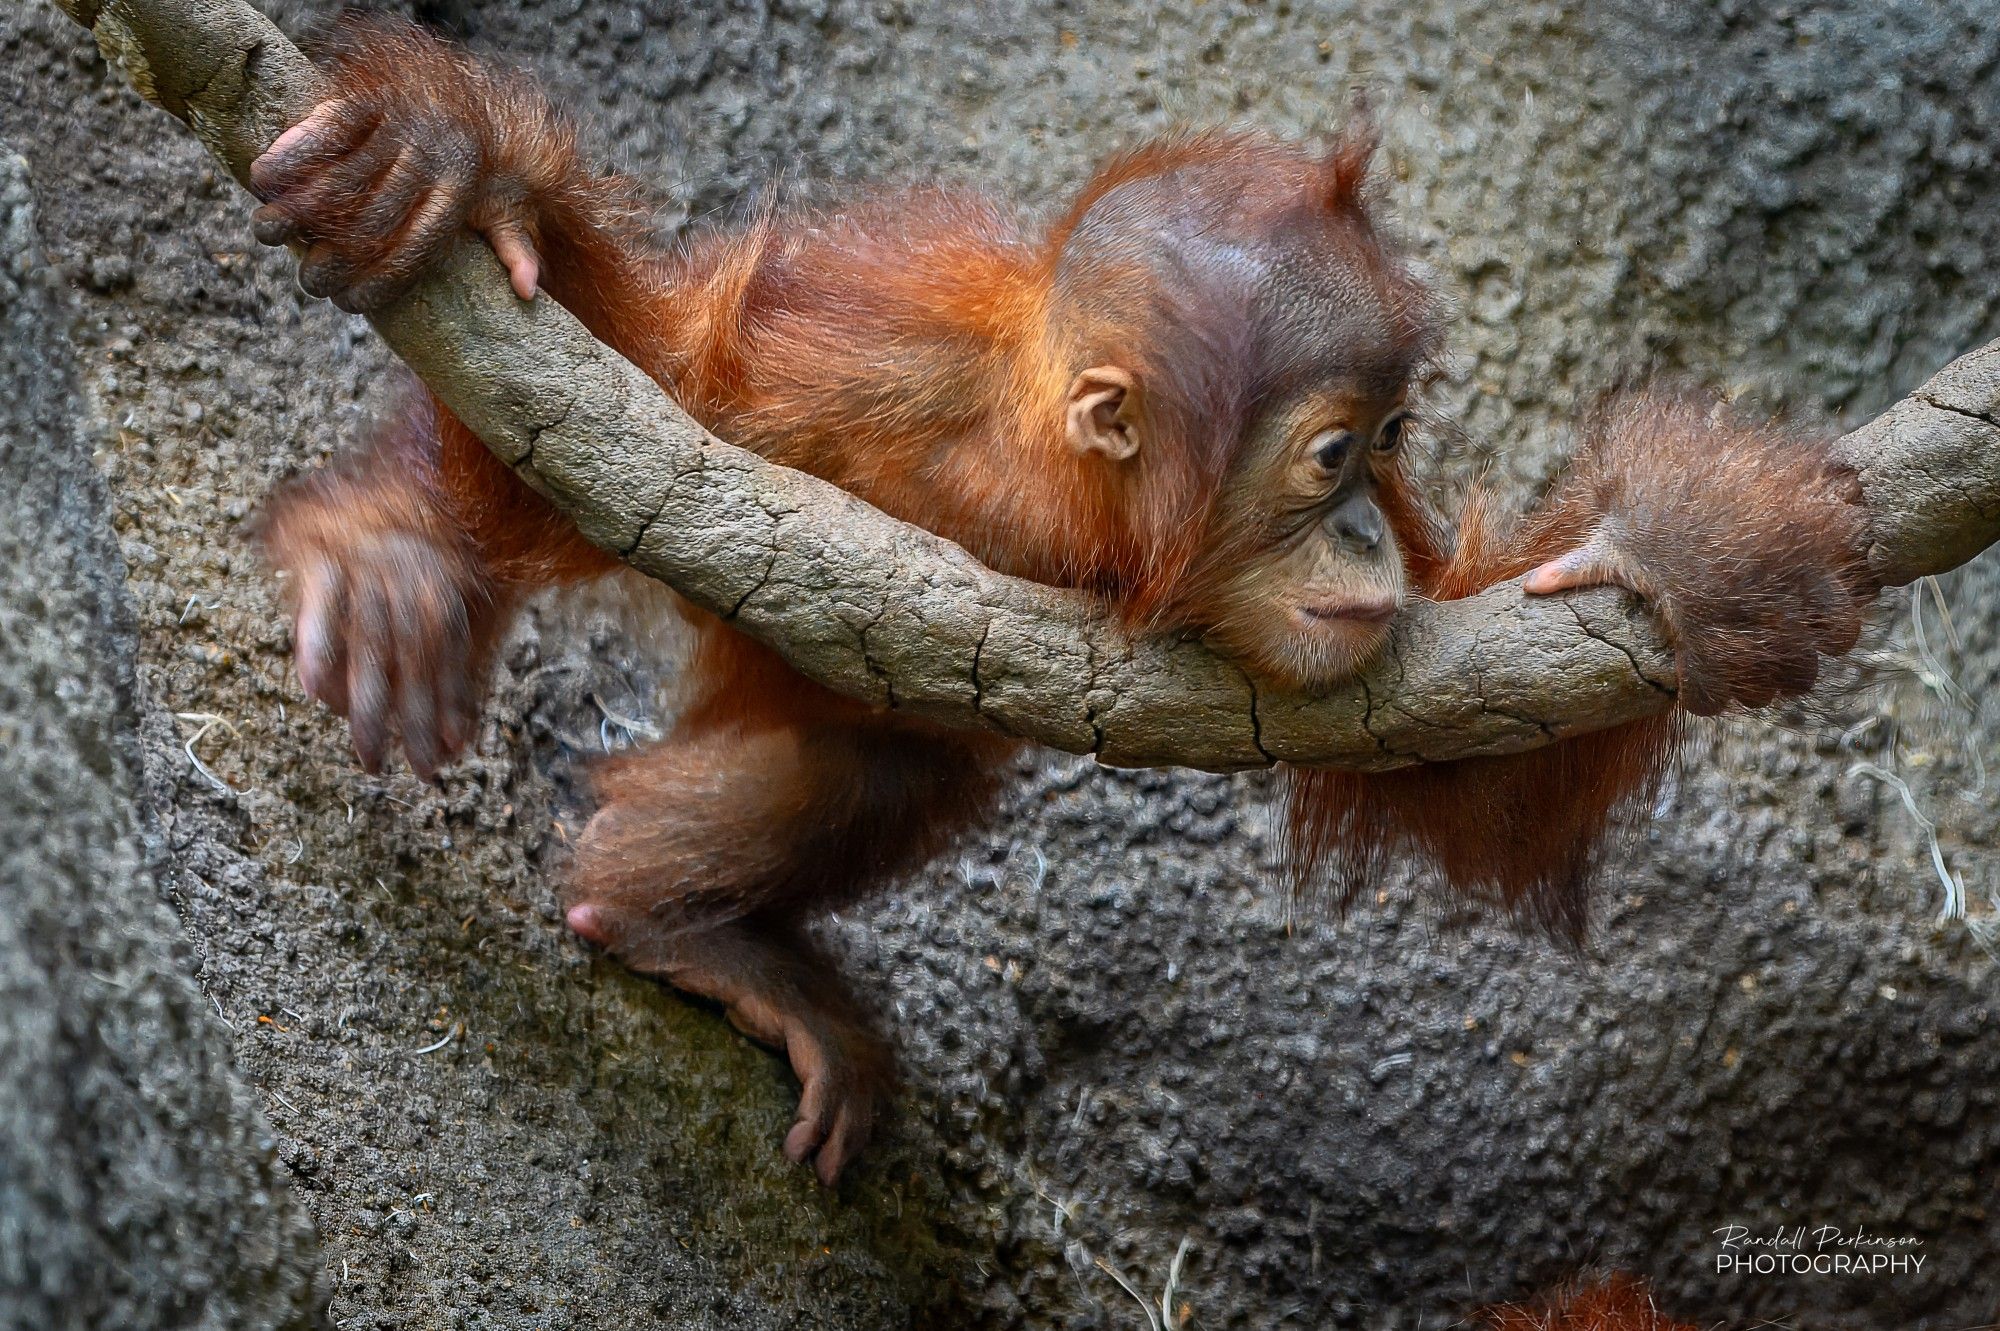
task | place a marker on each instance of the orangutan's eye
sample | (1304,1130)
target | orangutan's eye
(1330,450)
(1391,437)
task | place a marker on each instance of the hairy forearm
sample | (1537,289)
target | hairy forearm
(886,612)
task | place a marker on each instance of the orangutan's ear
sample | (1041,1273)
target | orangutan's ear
(1104,413)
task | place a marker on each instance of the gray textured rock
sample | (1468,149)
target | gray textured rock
(1113,1036)
(139,1184)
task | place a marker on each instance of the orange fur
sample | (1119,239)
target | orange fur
(1616,1303)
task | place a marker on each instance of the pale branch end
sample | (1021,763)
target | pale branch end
(887,612)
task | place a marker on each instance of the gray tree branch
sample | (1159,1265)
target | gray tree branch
(887,612)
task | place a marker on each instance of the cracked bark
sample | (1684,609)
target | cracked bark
(777,552)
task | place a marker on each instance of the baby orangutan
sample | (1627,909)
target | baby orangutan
(1187,394)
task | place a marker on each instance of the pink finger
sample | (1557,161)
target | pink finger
(317,646)
(272,161)
(815,1112)
(316,120)
(524,268)
(588,923)
(1591,564)
(803,1140)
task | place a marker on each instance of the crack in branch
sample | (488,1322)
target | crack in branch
(1486,703)
(246,80)
(1520,717)
(868,661)
(1368,717)
(1089,697)
(1256,720)
(535,433)
(1952,483)
(1930,401)
(191,99)
(1589,632)
(666,500)
(763,579)
(979,650)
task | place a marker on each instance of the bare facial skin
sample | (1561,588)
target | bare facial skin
(1316,605)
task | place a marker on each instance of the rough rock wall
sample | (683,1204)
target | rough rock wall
(138,1177)
(1114,1037)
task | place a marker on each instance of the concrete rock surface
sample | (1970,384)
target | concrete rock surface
(1118,1042)
(139,1179)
